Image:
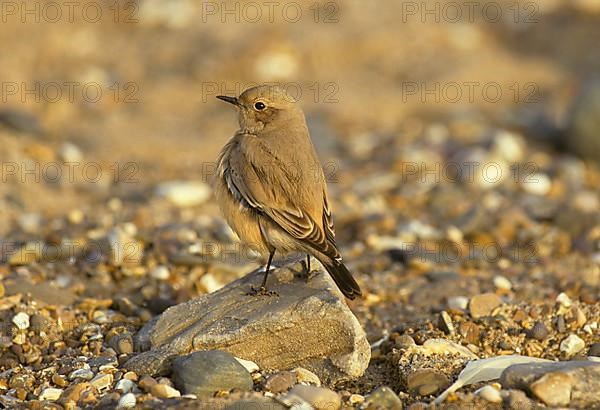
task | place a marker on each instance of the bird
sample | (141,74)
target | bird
(271,188)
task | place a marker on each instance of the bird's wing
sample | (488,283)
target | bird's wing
(270,188)
(328,219)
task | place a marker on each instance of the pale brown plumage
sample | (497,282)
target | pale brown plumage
(271,187)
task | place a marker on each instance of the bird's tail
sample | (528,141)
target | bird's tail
(342,277)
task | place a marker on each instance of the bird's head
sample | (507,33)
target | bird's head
(264,107)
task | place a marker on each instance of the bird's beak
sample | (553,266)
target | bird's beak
(230,100)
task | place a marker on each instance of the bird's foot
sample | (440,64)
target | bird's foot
(307,274)
(261,291)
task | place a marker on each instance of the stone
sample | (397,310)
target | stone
(540,185)
(458,302)
(146,383)
(554,389)
(320,398)
(405,341)
(572,345)
(383,398)
(470,331)
(248,365)
(164,391)
(21,320)
(256,404)
(122,343)
(280,382)
(594,350)
(305,376)
(184,193)
(125,385)
(424,382)
(445,323)
(570,383)
(69,152)
(102,381)
(564,300)
(161,272)
(21,121)
(539,331)
(51,394)
(356,399)
(75,392)
(306,324)
(85,374)
(59,380)
(131,376)
(483,305)
(502,283)
(205,372)
(127,401)
(489,394)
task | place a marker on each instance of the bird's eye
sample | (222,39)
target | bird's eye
(260,106)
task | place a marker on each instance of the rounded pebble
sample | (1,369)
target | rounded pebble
(127,401)
(489,394)
(21,320)
(572,345)
(51,394)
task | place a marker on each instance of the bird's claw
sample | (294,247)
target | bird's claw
(261,291)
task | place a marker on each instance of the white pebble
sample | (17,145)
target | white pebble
(127,401)
(161,272)
(50,393)
(572,345)
(538,184)
(21,320)
(85,374)
(184,193)
(210,283)
(248,365)
(100,317)
(489,394)
(125,385)
(500,282)
(70,153)
(564,300)
(164,391)
(458,302)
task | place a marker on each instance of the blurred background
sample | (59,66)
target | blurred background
(461,142)
(135,81)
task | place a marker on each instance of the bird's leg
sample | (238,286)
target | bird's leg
(307,275)
(263,287)
(264,282)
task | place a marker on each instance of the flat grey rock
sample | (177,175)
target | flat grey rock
(559,384)
(306,324)
(204,373)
